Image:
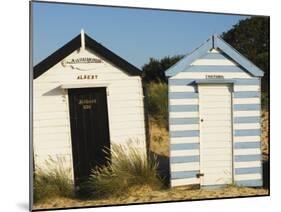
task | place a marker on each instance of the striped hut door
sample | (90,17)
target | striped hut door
(215,118)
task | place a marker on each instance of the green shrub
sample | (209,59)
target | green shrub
(157,102)
(264,101)
(129,167)
(52,181)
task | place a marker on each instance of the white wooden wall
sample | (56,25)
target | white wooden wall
(184,121)
(51,122)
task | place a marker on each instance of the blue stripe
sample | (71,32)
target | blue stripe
(183,108)
(247,82)
(183,121)
(184,159)
(184,146)
(247,145)
(251,170)
(191,81)
(184,133)
(241,107)
(213,56)
(183,95)
(181,81)
(250,183)
(245,158)
(213,68)
(213,186)
(250,132)
(250,119)
(184,174)
(246,94)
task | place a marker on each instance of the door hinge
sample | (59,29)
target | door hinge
(198,175)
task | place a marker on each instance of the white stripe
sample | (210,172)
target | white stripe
(191,152)
(183,140)
(246,138)
(182,88)
(247,151)
(247,164)
(202,75)
(214,51)
(246,100)
(216,62)
(184,166)
(183,114)
(241,126)
(183,101)
(216,136)
(184,127)
(246,113)
(248,176)
(246,88)
(187,181)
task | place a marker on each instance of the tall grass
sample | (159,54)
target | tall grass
(157,100)
(129,167)
(54,180)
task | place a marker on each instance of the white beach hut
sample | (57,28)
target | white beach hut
(85,98)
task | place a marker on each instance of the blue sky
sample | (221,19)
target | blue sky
(134,34)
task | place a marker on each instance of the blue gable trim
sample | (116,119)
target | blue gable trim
(236,56)
(189,58)
(202,51)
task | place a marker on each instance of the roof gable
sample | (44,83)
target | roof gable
(91,44)
(226,51)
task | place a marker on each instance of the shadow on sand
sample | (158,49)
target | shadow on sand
(266,173)
(163,167)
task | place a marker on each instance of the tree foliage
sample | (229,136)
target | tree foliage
(154,71)
(251,38)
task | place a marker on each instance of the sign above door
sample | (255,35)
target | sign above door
(82,63)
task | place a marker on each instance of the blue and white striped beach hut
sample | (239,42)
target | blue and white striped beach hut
(215,118)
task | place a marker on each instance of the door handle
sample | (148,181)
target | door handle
(202,120)
(198,175)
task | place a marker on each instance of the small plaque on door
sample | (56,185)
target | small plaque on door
(87,104)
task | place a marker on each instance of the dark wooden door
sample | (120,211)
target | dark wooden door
(89,130)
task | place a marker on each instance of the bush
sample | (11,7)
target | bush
(129,167)
(52,181)
(264,101)
(157,100)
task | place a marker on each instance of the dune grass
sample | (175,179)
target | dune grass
(129,167)
(52,181)
(157,103)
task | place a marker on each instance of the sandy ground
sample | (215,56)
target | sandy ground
(146,195)
(159,145)
(159,138)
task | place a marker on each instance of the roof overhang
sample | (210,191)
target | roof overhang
(215,42)
(214,81)
(84,41)
(83,85)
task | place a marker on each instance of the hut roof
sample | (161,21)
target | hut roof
(91,44)
(215,42)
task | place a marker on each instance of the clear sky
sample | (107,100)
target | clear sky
(134,34)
